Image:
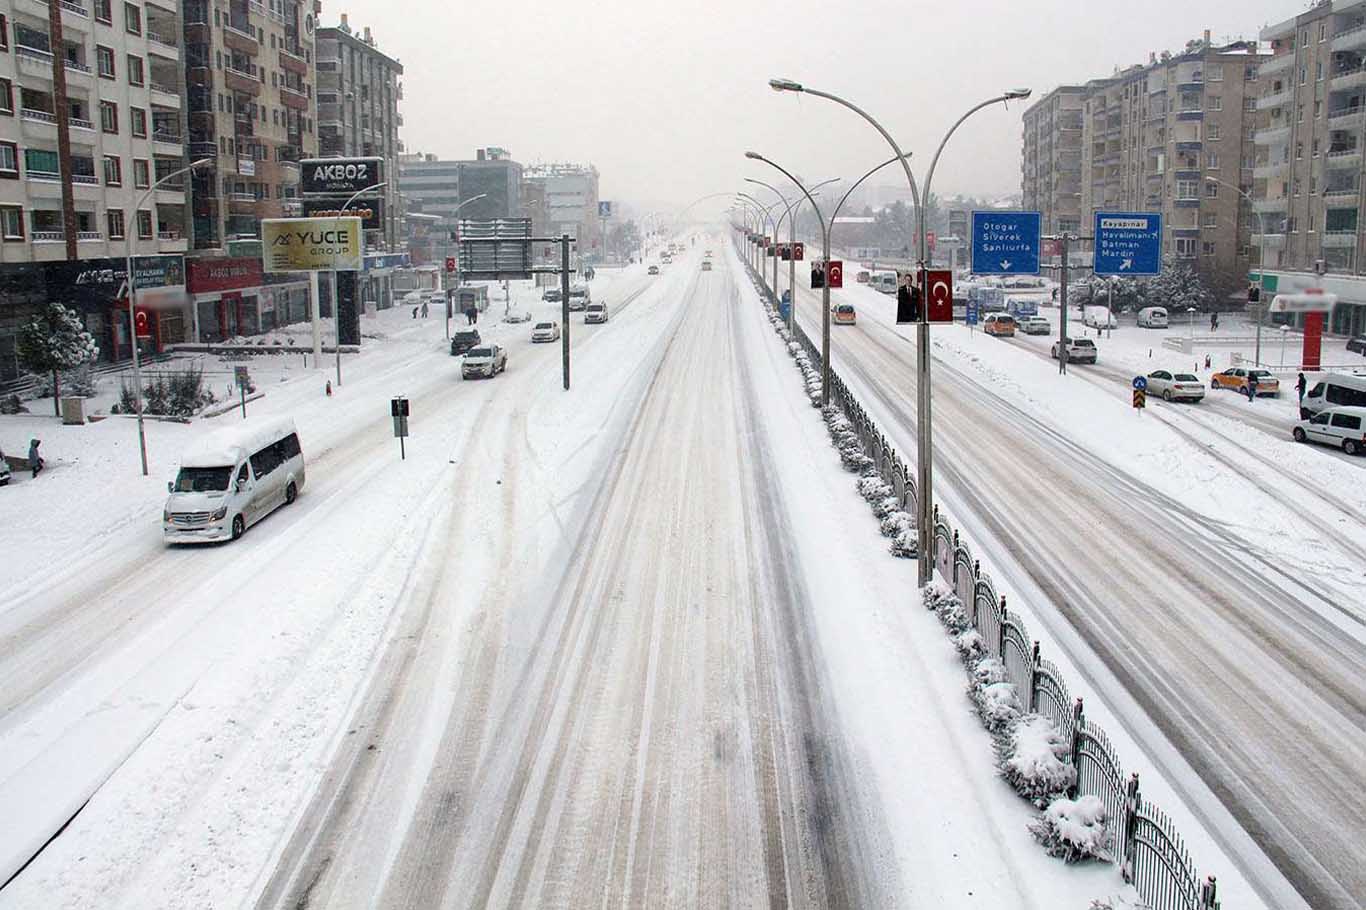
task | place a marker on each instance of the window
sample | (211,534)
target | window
(9,160)
(1347,421)
(1338,394)
(1313,184)
(1185,247)
(113,170)
(1207,248)
(1299,151)
(1323,30)
(1304,75)
(109,117)
(12,222)
(1212,161)
(1211,189)
(138,116)
(132,18)
(1318,109)
(1314,149)
(144,224)
(1214,72)
(1318,71)
(4,33)
(142,173)
(1211,220)
(104,60)
(114,218)
(42,163)
(1216,102)
(6,97)
(1187,189)
(135,70)
(104,11)
(1212,132)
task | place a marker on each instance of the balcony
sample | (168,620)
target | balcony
(243,126)
(88,236)
(292,62)
(1348,79)
(48,236)
(1339,239)
(1350,38)
(1187,202)
(174,141)
(1269,241)
(1277,204)
(293,98)
(1349,157)
(203,150)
(1346,117)
(164,95)
(1341,196)
(239,39)
(81,124)
(1190,115)
(1277,64)
(1188,145)
(241,80)
(1276,135)
(1272,169)
(1269,101)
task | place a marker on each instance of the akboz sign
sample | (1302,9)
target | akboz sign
(339,176)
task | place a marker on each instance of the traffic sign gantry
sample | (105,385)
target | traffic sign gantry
(1006,243)
(1128,243)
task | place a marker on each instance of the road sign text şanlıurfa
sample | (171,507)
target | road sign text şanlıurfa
(1128,243)
(1006,243)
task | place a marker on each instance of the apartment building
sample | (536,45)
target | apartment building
(358,95)
(1311,111)
(112,71)
(1050,167)
(1173,135)
(571,202)
(249,76)
(489,186)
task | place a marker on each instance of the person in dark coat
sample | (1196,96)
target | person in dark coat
(1251,387)
(35,461)
(1300,385)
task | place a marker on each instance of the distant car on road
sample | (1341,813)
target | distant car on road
(1357,345)
(1343,427)
(487,360)
(1237,380)
(545,331)
(1175,386)
(652,270)
(551,295)
(706,265)
(1079,350)
(1035,325)
(843,314)
(578,297)
(517,316)
(999,324)
(594,313)
(463,340)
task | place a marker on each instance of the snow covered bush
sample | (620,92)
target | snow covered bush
(998,705)
(1074,830)
(886,506)
(948,608)
(1033,760)
(793,348)
(971,646)
(853,458)
(81,380)
(874,489)
(934,593)
(12,405)
(905,545)
(894,522)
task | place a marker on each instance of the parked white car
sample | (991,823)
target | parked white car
(1100,317)
(1152,317)
(1342,427)
(487,360)
(545,331)
(1175,386)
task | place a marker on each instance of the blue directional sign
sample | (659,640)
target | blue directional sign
(1141,383)
(970,313)
(1128,243)
(1006,243)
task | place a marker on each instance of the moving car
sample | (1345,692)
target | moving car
(1152,317)
(708,254)
(551,295)
(1175,386)
(842,314)
(487,360)
(1334,390)
(545,331)
(463,340)
(1344,427)
(884,281)
(706,265)
(578,297)
(232,478)
(1237,379)
(517,316)
(652,270)
(1035,325)
(595,312)
(862,276)
(1079,350)
(1001,324)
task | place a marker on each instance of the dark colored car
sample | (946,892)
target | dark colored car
(1357,345)
(551,295)
(463,340)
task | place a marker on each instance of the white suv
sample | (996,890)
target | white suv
(1343,427)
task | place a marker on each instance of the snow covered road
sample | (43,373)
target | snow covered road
(1233,613)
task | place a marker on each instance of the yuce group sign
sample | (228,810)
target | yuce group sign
(311,244)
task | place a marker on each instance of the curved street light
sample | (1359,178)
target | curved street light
(761,216)
(767,213)
(791,216)
(924,438)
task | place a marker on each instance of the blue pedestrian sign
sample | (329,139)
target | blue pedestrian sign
(1006,243)
(1128,243)
(1141,383)
(970,313)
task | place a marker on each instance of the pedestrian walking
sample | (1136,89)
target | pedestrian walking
(424,309)
(1251,386)
(1300,385)
(1207,361)
(35,461)
(415,309)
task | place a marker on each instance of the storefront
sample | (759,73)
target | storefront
(233,298)
(377,279)
(1348,317)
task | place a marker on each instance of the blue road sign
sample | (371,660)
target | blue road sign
(1141,383)
(970,313)
(1128,243)
(1006,243)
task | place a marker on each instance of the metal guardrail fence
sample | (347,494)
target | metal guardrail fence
(1150,853)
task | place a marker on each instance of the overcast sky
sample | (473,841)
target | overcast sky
(665,97)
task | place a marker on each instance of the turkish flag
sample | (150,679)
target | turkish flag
(798,249)
(939,292)
(834,273)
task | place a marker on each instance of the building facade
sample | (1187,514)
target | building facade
(442,188)
(249,71)
(359,89)
(571,202)
(1311,112)
(1171,136)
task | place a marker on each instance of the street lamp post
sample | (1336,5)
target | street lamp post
(1261,261)
(336,292)
(924,440)
(791,215)
(458,278)
(825,285)
(133,301)
(763,250)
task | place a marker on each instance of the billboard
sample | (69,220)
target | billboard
(369,211)
(339,176)
(311,244)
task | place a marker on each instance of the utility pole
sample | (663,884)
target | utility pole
(564,304)
(1063,241)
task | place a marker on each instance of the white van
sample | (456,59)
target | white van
(1334,390)
(884,281)
(1152,317)
(232,478)
(1100,317)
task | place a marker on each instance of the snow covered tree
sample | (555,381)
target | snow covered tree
(1179,288)
(54,341)
(1128,294)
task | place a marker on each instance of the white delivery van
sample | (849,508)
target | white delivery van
(1152,317)
(231,479)
(1100,317)
(884,281)
(1332,390)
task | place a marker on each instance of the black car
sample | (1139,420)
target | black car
(463,340)
(1357,345)
(551,295)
